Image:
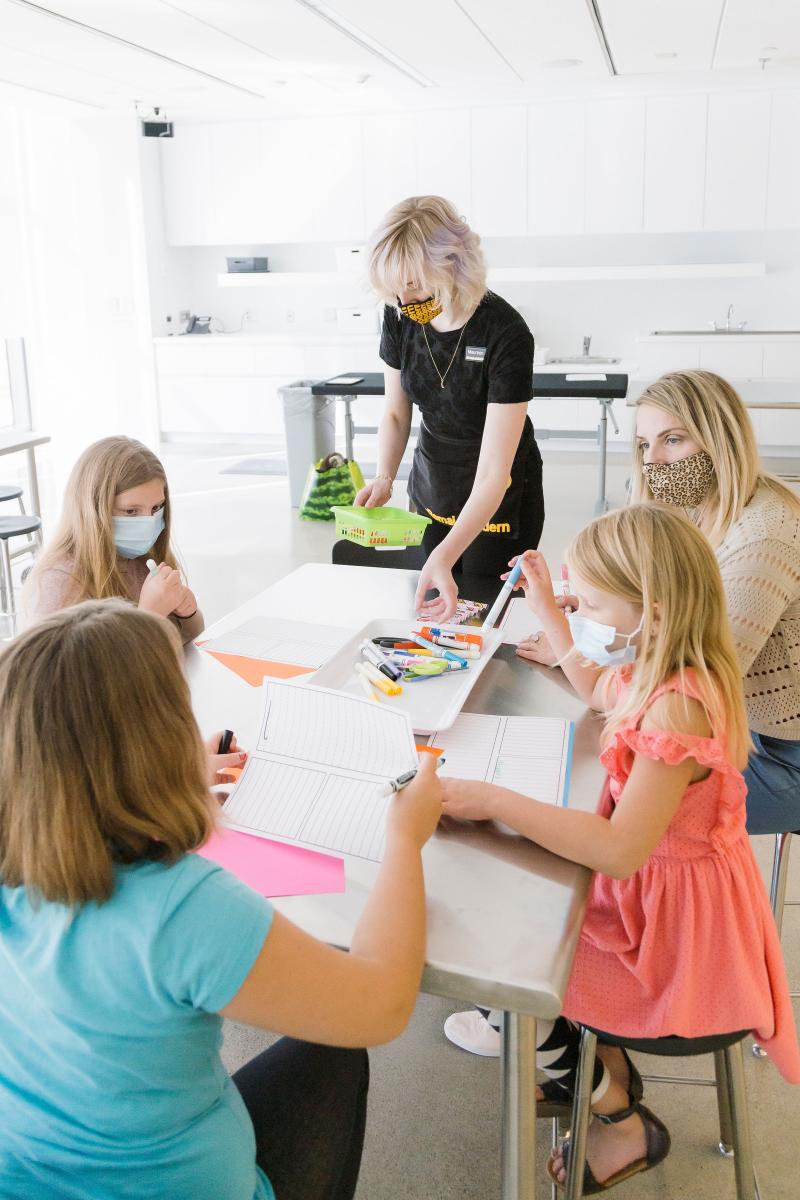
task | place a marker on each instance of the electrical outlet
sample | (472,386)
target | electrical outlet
(184,314)
(290,316)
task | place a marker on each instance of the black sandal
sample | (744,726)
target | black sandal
(657,1146)
(557,1099)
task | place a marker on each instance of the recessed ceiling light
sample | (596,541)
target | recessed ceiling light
(558,63)
(666,54)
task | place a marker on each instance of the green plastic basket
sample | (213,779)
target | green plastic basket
(380,528)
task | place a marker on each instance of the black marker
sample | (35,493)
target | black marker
(225,742)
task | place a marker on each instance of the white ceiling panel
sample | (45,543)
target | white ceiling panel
(531,34)
(639,31)
(439,40)
(769,29)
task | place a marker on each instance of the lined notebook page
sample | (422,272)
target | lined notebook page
(296,642)
(314,777)
(530,755)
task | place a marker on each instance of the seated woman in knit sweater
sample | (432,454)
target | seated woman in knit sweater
(116,516)
(696,448)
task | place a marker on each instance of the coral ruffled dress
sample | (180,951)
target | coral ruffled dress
(687,946)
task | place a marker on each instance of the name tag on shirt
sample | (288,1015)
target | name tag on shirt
(474,353)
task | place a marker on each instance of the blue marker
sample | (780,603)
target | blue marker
(436,651)
(505,592)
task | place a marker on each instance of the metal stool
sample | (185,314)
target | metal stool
(19,526)
(777,897)
(734,1124)
(34,541)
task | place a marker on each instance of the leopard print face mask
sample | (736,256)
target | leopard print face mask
(684,483)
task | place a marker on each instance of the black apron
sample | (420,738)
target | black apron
(443,475)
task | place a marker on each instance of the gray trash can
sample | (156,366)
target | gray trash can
(310,423)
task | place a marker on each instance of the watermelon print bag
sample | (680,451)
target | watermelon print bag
(333,480)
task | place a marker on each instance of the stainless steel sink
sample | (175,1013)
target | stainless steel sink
(720,332)
(577,359)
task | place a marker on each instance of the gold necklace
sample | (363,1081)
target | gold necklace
(452,360)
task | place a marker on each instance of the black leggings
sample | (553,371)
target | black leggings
(490,552)
(308,1105)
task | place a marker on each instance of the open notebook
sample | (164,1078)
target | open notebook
(322,756)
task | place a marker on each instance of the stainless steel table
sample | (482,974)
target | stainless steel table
(503,914)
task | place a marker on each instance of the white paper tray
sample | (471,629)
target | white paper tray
(431,704)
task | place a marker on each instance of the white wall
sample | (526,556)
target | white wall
(78,275)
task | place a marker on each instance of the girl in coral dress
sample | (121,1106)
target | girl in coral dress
(678,938)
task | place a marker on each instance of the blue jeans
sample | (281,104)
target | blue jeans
(773,785)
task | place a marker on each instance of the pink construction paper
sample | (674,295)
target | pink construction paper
(273,868)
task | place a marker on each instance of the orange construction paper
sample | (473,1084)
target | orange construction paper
(254,670)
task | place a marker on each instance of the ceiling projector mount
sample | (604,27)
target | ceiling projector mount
(156,124)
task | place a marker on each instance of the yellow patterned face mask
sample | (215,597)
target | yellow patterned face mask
(421,311)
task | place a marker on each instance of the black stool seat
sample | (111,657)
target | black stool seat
(9,492)
(674,1047)
(18,525)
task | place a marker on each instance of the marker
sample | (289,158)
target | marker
(504,593)
(380,681)
(451,644)
(227,734)
(437,651)
(452,631)
(374,656)
(152,566)
(366,685)
(565,587)
(397,785)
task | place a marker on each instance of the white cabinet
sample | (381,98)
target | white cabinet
(443,157)
(556,168)
(187,178)
(736,161)
(499,171)
(332,172)
(782,361)
(674,163)
(614,166)
(783,186)
(390,163)
(237,189)
(736,360)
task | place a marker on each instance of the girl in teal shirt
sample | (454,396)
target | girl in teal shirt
(120,950)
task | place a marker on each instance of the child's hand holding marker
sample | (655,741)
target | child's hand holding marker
(223,752)
(416,807)
(163,591)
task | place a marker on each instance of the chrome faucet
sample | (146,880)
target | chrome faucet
(728,328)
(728,317)
(587,341)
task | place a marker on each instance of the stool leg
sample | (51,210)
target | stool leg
(5,574)
(553,1185)
(746,1186)
(780,873)
(725,1144)
(581,1115)
(777,894)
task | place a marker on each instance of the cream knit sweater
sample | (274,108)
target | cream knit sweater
(760,564)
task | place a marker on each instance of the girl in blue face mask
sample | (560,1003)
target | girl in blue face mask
(678,937)
(116,515)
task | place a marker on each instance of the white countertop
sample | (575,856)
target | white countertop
(307,338)
(723,338)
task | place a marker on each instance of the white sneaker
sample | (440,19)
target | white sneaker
(471,1031)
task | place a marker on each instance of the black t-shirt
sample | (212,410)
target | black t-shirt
(493,365)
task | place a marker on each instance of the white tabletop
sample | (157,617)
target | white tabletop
(503,914)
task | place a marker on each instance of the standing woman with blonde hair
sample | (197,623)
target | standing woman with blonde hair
(464,356)
(116,515)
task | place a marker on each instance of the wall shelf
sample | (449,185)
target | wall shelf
(742,270)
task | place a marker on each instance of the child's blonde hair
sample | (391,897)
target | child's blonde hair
(423,241)
(713,414)
(85,535)
(655,558)
(101,761)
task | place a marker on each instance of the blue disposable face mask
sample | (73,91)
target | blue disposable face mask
(593,639)
(134,536)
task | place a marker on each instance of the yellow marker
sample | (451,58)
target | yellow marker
(380,681)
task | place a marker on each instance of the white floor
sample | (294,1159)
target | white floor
(433,1130)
